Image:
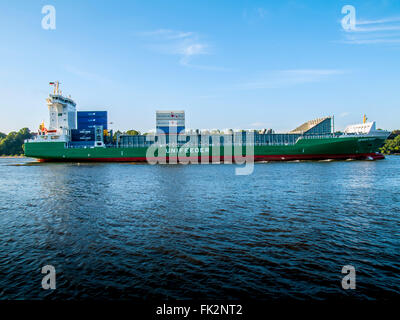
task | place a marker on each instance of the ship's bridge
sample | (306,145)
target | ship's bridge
(61,99)
(62,111)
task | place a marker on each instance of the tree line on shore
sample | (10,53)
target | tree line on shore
(12,144)
(392,144)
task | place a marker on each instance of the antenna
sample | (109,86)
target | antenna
(56,86)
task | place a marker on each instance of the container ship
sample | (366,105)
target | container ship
(84,136)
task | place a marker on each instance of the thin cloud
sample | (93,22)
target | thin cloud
(188,51)
(194,49)
(377,31)
(187,45)
(378,21)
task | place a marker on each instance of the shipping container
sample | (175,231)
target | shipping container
(82,135)
(89,119)
(89,114)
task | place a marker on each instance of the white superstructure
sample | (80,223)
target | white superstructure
(365,128)
(62,112)
(362,128)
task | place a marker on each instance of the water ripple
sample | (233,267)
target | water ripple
(121,231)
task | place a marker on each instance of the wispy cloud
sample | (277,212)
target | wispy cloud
(377,31)
(378,21)
(285,78)
(184,44)
(190,50)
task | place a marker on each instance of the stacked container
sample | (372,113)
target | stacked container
(90,119)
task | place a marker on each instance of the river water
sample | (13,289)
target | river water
(136,231)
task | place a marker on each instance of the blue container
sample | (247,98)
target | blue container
(82,135)
(90,124)
(89,119)
(91,114)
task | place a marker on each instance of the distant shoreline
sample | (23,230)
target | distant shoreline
(12,157)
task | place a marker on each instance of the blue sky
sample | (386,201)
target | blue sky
(228,64)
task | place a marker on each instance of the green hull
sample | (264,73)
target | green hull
(303,149)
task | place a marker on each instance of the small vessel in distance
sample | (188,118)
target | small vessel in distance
(90,140)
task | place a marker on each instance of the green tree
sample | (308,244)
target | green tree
(394,134)
(132,132)
(116,134)
(13,142)
(391,146)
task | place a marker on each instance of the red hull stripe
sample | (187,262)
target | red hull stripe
(203,159)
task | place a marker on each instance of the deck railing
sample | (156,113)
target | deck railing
(209,140)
